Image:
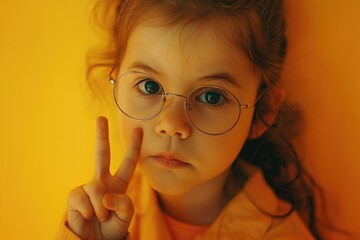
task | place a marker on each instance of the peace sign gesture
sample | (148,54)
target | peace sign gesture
(100,209)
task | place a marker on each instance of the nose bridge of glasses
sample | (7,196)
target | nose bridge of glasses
(175,94)
(186,104)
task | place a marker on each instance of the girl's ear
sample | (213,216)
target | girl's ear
(261,124)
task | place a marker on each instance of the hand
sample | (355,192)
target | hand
(100,209)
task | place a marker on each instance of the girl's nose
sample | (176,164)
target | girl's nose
(172,119)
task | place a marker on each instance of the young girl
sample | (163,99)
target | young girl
(203,116)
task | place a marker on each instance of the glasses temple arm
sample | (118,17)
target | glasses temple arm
(255,102)
(111,79)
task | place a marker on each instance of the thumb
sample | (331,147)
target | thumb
(121,204)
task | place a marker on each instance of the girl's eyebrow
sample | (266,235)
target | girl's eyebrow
(220,76)
(144,67)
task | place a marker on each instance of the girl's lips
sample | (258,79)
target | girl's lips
(170,160)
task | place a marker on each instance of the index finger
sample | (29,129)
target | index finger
(128,165)
(102,149)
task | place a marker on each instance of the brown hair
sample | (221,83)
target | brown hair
(257,27)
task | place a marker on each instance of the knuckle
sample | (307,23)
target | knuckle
(75,194)
(77,198)
(82,200)
(131,161)
(102,152)
(95,188)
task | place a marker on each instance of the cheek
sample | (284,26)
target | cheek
(229,145)
(227,148)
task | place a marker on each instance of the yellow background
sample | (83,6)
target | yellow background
(47,121)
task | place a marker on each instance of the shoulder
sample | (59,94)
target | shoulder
(252,214)
(290,227)
(268,206)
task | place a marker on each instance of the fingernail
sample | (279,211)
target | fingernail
(101,123)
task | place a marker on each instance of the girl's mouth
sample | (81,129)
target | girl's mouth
(170,160)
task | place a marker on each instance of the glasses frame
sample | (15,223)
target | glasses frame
(113,81)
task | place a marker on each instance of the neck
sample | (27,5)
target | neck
(199,206)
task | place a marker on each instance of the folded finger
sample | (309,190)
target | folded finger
(96,191)
(121,204)
(79,201)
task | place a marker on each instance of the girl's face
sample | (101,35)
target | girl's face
(176,157)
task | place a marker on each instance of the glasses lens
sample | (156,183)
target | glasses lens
(138,95)
(213,110)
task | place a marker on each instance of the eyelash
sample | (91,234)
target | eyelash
(223,99)
(142,93)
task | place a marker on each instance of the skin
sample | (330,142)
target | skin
(101,209)
(189,57)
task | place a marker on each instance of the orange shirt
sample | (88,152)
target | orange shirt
(243,218)
(180,230)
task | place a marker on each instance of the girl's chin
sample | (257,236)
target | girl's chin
(168,185)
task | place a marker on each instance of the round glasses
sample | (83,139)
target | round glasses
(210,109)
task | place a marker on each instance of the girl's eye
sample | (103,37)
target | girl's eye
(149,87)
(211,98)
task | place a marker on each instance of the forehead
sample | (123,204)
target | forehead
(182,49)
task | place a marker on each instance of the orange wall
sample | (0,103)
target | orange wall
(47,124)
(323,74)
